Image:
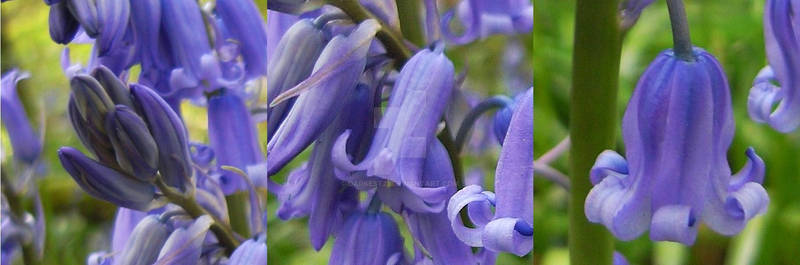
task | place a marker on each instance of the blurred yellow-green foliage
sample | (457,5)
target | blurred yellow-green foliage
(732,31)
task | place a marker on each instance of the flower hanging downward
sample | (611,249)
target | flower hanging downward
(677,130)
(781,27)
(510,227)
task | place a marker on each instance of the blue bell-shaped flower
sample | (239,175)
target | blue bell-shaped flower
(779,83)
(677,130)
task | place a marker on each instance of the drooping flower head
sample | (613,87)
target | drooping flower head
(677,130)
(400,145)
(367,238)
(292,61)
(25,142)
(779,84)
(510,227)
(233,136)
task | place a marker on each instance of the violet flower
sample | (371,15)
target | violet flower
(313,189)
(85,11)
(184,245)
(401,142)
(483,18)
(430,229)
(366,238)
(335,75)
(145,241)
(292,62)
(677,130)
(25,142)
(182,22)
(233,136)
(277,25)
(246,25)
(779,85)
(510,227)
(252,251)
(62,25)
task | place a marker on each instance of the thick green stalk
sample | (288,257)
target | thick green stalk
(238,210)
(593,120)
(410,21)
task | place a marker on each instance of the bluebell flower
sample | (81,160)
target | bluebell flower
(85,11)
(26,143)
(335,75)
(779,85)
(184,244)
(483,18)
(182,22)
(292,62)
(277,25)
(124,223)
(252,251)
(313,189)
(246,25)
(401,142)
(62,25)
(145,242)
(233,136)
(431,229)
(510,227)
(366,238)
(677,130)
(113,17)
(151,41)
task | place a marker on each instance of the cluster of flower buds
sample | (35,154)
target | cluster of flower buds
(139,155)
(133,133)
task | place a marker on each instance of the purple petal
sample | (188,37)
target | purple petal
(25,142)
(105,183)
(335,75)
(233,136)
(184,245)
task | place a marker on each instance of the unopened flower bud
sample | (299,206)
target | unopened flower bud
(106,183)
(135,149)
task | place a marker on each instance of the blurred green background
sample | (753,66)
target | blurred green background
(732,31)
(76,223)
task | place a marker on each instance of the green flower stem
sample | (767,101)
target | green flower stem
(238,210)
(394,44)
(223,232)
(593,120)
(15,203)
(410,21)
